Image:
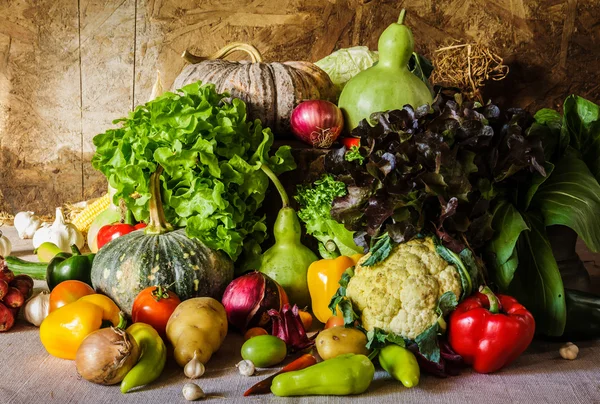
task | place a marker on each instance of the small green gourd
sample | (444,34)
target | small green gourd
(287,261)
(388,84)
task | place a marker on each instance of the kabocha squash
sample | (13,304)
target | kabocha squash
(159,255)
(270,90)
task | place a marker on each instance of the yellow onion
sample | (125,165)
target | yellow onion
(105,356)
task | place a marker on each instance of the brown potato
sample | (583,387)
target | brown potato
(340,340)
(197,325)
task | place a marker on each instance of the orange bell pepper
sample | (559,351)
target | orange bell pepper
(323,277)
(65,328)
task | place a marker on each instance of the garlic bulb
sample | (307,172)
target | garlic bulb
(5,245)
(246,368)
(192,392)
(36,309)
(60,233)
(194,368)
(26,224)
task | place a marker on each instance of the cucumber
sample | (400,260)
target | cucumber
(34,269)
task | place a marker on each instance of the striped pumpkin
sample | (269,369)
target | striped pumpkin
(270,90)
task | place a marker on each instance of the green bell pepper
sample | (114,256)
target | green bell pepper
(66,266)
(63,267)
(343,375)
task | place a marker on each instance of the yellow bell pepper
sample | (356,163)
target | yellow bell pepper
(64,329)
(323,277)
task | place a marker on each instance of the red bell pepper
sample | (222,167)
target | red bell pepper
(112,231)
(490,331)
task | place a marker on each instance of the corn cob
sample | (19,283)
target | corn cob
(85,218)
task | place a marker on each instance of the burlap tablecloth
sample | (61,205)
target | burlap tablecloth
(30,375)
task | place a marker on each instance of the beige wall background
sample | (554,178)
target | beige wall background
(69,67)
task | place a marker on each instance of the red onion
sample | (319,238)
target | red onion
(288,326)
(317,122)
(248,299)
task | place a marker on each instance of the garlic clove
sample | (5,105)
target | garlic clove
(60,233)
(246,367)
(569,351)
(194,369)
(192,391)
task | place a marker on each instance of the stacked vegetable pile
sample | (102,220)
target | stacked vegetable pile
(431,202)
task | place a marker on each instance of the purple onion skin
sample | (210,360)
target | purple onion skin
(317,122)
(247,300)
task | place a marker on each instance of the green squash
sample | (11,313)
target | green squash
(287,261)
(159,255)
(388,84)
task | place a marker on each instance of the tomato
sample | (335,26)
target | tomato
(254,332)
(68,292)
(306,319)
(112,231)
(154,305)
(348,142)
(334,321)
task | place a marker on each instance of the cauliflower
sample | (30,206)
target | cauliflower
(401,293)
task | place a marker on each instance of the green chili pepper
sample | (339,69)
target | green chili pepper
(401,364)
(152,360)
(343,375)
(65,266)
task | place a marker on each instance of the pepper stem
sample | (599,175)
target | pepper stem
(158,223)
(284,196)
(122,321)
(74,249)
(494,303)
(402,15)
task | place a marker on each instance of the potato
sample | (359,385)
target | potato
(197,325)
(336,341)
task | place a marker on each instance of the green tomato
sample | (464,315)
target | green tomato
(264,350)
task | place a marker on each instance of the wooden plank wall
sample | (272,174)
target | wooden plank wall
(69,67)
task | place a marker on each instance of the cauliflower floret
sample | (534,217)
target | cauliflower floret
(401,293)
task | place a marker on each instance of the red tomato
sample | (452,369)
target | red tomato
(154,305)
(68,292)
(334,321)
(112,231)
(350,141)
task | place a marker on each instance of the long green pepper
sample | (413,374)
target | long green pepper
(152,358)
(341,376)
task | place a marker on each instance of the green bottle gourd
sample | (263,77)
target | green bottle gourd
(388,84)
(287,261)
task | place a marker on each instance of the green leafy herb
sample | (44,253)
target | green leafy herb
(212,183)
(427,341)
(380,251)
(354,155)
(315,201)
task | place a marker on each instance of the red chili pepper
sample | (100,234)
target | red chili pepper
(490,331)
(350,141)
(264,386)
(112,231)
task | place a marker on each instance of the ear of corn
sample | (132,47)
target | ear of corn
(85,218)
